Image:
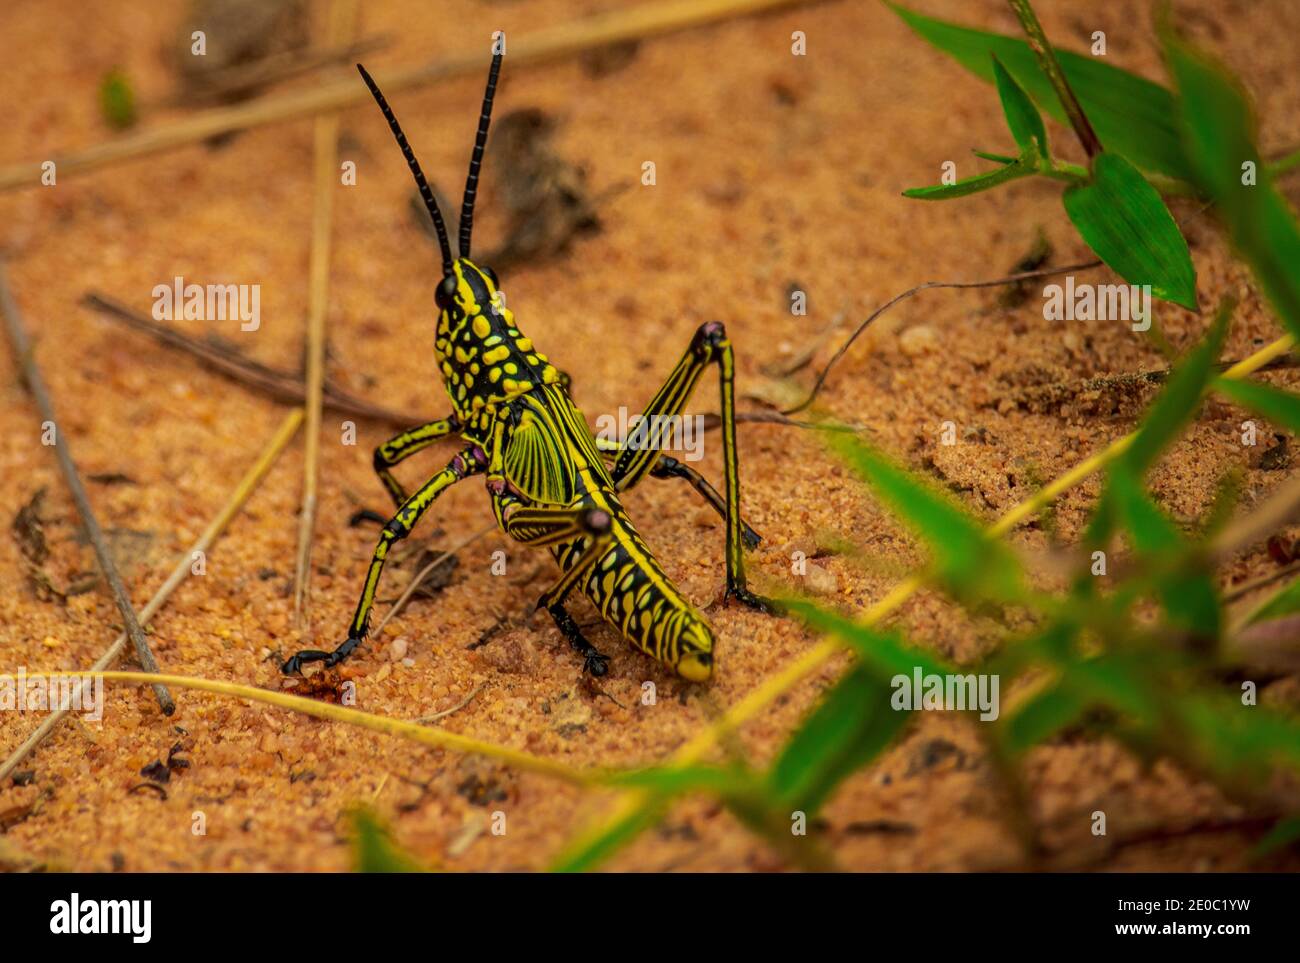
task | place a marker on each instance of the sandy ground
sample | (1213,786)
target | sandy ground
(772,171)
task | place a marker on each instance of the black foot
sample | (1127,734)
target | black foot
(294,663)
(750,537)
(593,661)
(754,601)
(366,515)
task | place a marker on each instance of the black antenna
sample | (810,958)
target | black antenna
(476,159)
(414,164)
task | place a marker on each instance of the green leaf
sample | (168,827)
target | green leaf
(1041,716)
(1218,132)
(116,100)
(1188,596)
(590,851)
(373,850)
(1235,737)
(1176,405)
(884,653)
(847,730)
(971,185)
(675,780)
(1126,223)
(1023,119)
(1130,114)
(1278,406)
(1284,833)
(1285,602)
(969,565)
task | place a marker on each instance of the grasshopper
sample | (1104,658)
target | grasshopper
(553,484)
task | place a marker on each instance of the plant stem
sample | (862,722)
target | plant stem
(340,28)
(1052,68)
(26,361)
(1283,164)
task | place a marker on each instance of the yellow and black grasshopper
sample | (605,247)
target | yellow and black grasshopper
(546,473)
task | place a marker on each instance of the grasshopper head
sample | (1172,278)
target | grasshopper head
(695,652)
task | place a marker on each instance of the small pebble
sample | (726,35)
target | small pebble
(397,649)
(918,340)
(805,544)
(821,581)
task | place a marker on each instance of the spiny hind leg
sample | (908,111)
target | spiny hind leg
(668,467)
(709,346)
(398,528)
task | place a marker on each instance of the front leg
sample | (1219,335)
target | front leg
(402,446)
(467,463)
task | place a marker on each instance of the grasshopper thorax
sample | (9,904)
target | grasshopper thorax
(484,358)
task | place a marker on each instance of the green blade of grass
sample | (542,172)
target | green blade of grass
(884,652)
(1285,833)
(1125,222)
(850,727)
(373,850)
(1215,119)
(966,562)
(1188,596)
(1177,404)
(1040,717)
(1131,115)
(1023,119)
(970,185)
(1285,602)
(1278,406)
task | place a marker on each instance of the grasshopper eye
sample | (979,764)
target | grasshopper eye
(446,293)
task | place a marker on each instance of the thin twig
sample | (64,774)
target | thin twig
(276,383)
(1052,68)
(428,735)
(241,78)
(549,43)
(425,720)
(342,17)
(182,570)
(995,282)
(1246,588)
(26,360)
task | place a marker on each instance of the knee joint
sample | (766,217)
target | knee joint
(709,336)
(395,530)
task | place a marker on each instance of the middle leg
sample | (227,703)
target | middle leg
(668,467)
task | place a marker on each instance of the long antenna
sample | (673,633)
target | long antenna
(476,159)
(414,165)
